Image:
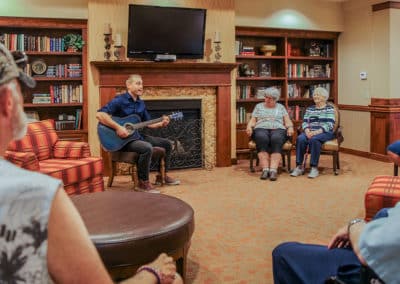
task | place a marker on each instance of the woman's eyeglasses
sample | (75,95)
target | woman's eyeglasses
(20,58)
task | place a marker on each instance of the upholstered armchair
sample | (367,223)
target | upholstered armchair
(332,147)
(41,150)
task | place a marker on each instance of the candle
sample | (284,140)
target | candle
(217,37)
(118,40)
(107,28)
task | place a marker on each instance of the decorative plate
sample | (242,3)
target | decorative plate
(39,67)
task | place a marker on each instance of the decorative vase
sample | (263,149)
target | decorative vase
(268,49)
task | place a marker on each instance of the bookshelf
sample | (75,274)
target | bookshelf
(294,61)
(59,70)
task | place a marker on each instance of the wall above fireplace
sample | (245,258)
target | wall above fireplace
(111,77)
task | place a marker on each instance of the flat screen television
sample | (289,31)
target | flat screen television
(155,30)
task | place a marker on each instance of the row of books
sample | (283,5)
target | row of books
(242,116)
(25,42)
(64,122)
(64,71)
(302,91)
(300,70)
(295,90)
(60,94)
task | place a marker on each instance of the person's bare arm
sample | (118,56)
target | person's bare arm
(163,123)
(355,233)
(250,125)
(71,256)
(106,119)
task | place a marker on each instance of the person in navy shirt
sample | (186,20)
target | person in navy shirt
(130,103)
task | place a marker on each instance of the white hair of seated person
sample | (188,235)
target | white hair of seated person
(272,92)
(19,121)
(322,92)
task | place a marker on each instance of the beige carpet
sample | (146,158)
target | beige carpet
(240,218)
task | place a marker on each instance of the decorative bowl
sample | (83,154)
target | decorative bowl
(268,49)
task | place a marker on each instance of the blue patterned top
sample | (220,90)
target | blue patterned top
(319,118)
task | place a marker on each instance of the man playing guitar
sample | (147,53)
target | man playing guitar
(127,104)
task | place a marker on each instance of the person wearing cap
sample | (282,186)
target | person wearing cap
(42,236)
(269,127)
(318,123)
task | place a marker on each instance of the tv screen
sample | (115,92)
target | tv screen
(157,30)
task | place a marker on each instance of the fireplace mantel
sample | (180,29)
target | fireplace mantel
(113,74)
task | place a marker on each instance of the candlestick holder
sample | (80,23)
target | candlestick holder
(117,52)
(217,49)
(107,46)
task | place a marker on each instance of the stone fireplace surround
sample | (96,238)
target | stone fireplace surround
(210,82)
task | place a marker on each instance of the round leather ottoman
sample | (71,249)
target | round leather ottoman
(130,229)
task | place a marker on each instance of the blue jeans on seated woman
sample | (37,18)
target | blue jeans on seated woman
(314,144)
(269,140)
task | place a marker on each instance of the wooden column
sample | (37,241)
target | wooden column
(112,75)
(385,123)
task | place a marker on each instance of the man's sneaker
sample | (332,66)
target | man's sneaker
(168,180)
(313,173)
(298,171)
(273,175)
(145,186)
(264,174)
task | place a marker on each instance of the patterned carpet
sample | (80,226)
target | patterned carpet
(240,218)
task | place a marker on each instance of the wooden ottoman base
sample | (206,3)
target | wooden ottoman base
(384,191)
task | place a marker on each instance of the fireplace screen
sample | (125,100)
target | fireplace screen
(185,134)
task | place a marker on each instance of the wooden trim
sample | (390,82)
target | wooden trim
(386,5)
(270,32)
(368,155)
(354,108)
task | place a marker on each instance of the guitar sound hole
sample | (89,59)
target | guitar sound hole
(129,128)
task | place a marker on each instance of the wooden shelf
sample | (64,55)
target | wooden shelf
(16,31)
(294,55)
(53,105)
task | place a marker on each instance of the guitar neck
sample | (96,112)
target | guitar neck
(148,122)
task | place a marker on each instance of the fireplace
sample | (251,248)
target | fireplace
(186,134)
(208,82)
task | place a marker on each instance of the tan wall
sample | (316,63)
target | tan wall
(292,14)
(75,9)
(363,46)
(220,17)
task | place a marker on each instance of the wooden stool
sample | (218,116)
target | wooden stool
(132,158)
(384,191)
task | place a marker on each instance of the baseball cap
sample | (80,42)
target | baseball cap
(9,69)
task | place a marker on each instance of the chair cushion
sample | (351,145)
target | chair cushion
(39,139)
(331,145)
(72,171)
(384,191)
(71,150)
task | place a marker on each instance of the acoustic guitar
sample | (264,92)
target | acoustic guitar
(112,142)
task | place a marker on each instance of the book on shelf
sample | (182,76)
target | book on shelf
(78,119)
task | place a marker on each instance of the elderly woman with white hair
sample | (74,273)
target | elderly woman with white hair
(269,126)
(318,124)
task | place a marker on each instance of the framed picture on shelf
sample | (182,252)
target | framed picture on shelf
(264,70)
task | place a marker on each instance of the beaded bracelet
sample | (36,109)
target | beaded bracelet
(152,271)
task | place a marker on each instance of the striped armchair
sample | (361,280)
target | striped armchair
(40,150)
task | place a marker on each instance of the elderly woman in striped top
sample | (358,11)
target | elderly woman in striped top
(318,124)
(272,125)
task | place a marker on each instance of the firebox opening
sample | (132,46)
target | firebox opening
(185,134)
